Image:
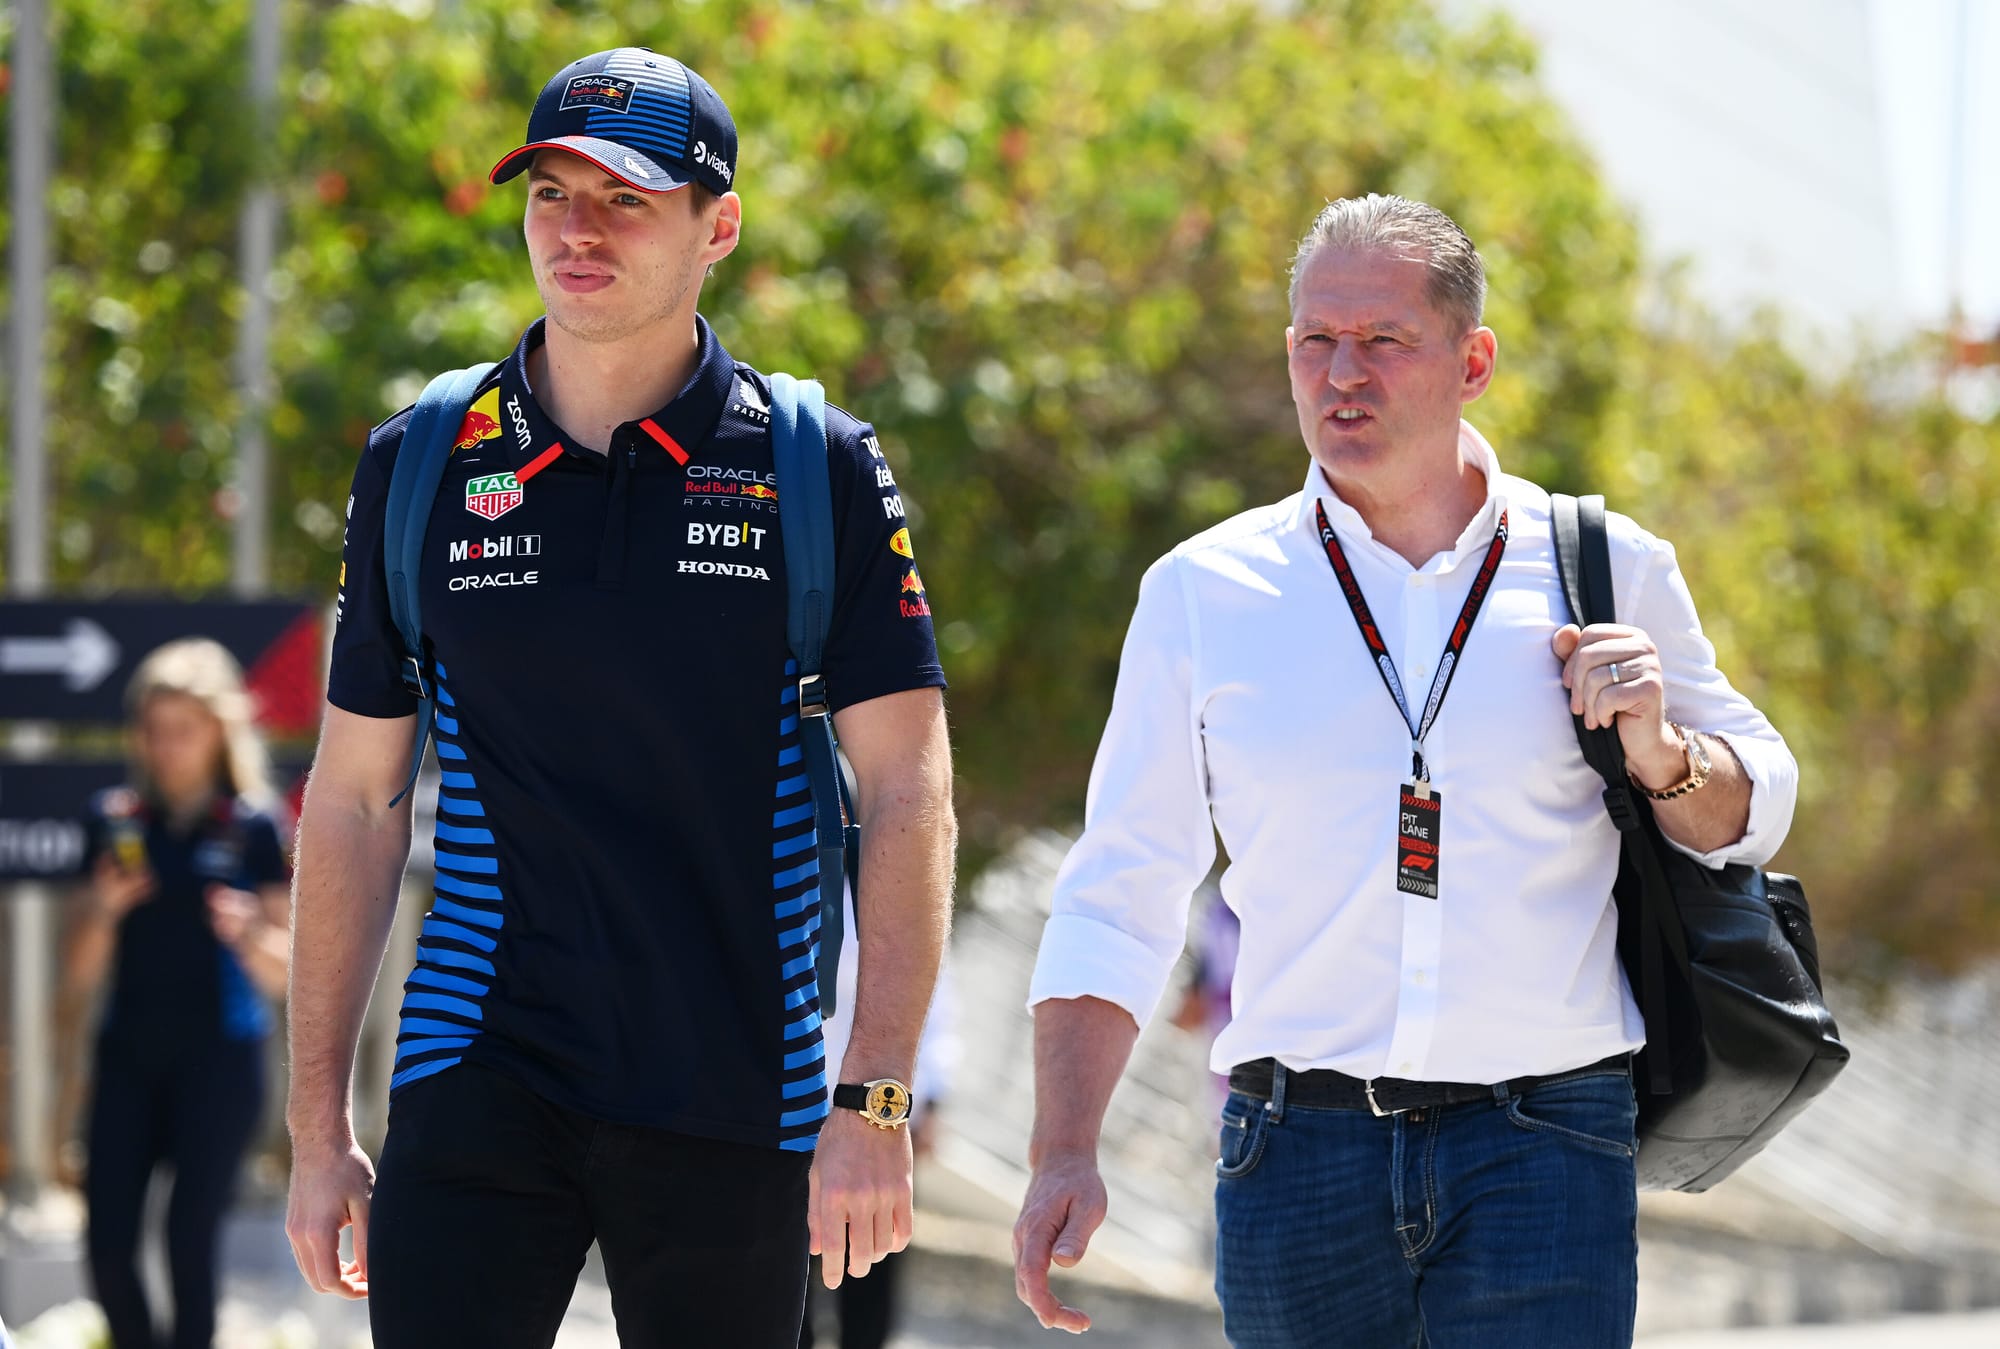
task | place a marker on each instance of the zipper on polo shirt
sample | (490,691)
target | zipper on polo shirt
(617,513)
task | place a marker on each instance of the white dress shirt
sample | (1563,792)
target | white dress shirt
(1247,708)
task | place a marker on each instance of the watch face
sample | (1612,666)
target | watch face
(1698,754)
(888,1102)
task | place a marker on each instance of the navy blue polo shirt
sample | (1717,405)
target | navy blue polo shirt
(175,988)
(627,891)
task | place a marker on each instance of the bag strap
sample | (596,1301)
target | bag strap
(413,484)
(1583,563)
(805,516)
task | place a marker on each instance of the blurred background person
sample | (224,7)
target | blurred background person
(1204,1004)
(866,1310)
(186,903)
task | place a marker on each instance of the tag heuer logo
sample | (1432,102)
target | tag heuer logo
(492,495)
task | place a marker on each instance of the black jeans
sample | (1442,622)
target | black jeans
(195,1114)
(488,1197)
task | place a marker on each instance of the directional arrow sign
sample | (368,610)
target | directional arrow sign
(71,661)
(83,655)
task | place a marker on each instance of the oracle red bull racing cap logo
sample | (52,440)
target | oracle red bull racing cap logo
(492,495)
(598,91)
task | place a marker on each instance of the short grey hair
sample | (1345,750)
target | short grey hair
(1383,224)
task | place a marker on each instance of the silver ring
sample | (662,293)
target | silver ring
(1616,677)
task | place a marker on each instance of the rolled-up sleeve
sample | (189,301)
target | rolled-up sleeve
(1699,695)
(1119,915)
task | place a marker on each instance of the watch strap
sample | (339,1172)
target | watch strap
(884,1102)
(1697,770)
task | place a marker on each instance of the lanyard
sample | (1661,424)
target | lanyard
(1454,649)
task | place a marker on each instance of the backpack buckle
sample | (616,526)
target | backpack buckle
(1619,805)
(812,695)
(413,678)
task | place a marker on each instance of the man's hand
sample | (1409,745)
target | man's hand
(1064,1207)
(1635,704)
(859,1195)
(331,1189)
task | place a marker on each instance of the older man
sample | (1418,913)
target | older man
(1365,690)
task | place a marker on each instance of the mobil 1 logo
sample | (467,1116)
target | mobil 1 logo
(491,549)
(504,548)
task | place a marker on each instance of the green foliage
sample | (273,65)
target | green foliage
(1840,541)
(1043,247)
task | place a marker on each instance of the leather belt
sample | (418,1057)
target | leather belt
(1327,1089)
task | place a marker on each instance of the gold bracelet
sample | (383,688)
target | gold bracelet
(1698,767)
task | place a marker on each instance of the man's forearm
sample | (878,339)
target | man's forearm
(350,869)
(903,912)
(1081,1047)
(1713,817)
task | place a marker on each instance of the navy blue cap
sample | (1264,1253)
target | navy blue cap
(645,119)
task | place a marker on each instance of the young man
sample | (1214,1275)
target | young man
(612,1029)
(1430,1131)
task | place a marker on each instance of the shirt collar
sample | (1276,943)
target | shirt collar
(1478,532)
(686,420)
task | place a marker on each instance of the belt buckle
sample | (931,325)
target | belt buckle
(1368,1089)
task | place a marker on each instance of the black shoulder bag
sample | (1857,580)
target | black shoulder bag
(1723,963)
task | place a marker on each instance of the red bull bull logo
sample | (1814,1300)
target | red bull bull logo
(913,584)
(482,421)
(760,492)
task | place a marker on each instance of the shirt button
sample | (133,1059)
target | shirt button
(1419,671)
(1406,1067)
(1421,978)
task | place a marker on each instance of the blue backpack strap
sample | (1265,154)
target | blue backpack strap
(427,442)
(805,520)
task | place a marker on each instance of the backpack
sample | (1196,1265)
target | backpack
(1723,963)
(798,447)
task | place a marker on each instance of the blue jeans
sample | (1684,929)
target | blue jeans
(1502,1224)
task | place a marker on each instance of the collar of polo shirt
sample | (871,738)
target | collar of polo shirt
(683,424)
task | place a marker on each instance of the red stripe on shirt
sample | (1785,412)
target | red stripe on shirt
(540,462)
(667,442)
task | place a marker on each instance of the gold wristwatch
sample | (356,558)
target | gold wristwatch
(1698,763)
(884,1103)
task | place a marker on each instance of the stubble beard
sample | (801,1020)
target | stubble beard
(671,292)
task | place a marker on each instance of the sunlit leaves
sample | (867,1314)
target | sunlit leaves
(1043,246)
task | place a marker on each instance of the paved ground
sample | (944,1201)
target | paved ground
(960,1296)
(951,1313)
(1977,1330)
